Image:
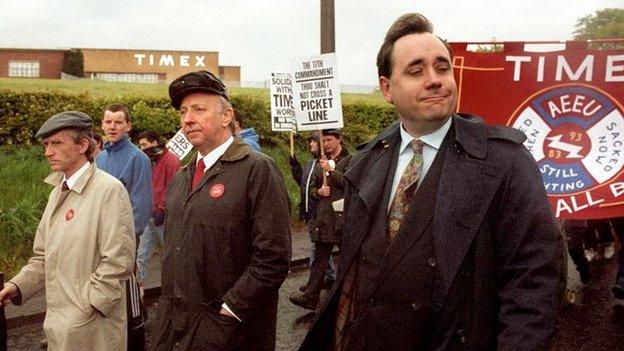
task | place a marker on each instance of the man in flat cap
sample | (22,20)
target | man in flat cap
(84,245)
(326,188)
(227,233)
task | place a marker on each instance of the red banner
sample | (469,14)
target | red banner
(569,104)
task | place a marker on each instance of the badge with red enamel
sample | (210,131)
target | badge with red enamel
(217,190)
(69,215)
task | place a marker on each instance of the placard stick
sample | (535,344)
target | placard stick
(292,144)
(322,154)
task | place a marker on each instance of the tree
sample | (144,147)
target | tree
(74,63)
(603,24)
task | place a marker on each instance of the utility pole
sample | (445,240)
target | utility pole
(328,30)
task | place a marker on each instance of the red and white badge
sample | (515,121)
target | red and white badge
(217,190)
(69,215)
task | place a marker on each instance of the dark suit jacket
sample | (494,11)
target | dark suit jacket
(496,247)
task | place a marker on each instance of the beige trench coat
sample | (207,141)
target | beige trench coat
(83,253)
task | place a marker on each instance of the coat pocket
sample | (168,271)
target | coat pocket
(215,331)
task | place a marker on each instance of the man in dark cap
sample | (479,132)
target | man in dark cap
(227,233)
(84,245)
(307,204)
(326,226)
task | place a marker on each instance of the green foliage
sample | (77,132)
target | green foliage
(24,112)
(74,63)
(22,202)
(603,24)
(490,47)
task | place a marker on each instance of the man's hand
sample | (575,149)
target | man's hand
(292,160)
(327,165)
(324,191)
(7,293)
(225,312)
(159,217)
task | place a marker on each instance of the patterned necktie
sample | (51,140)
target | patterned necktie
(199,172)
(404,192)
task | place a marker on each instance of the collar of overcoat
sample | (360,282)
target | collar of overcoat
(56,179)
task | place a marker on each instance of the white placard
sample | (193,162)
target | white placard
(179,145)
(316,93)
(282,113)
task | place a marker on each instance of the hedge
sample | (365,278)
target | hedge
(22,113)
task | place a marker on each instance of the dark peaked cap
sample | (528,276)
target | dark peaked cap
(65,120)
(200,81)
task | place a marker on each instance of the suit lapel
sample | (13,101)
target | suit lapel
(367,177)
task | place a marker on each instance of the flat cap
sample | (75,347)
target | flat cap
(65,120)
(200,81)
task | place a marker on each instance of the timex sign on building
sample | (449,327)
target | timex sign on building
(145,66)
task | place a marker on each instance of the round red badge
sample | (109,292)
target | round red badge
(217,190)
(69,215)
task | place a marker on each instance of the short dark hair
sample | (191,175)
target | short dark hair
(151,136)
(78,135)
(117,108)
(240,117)
(409,23)
(98,139)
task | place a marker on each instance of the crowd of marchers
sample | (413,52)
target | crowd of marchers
(446,238)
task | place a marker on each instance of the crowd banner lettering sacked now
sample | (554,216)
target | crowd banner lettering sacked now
(568,102)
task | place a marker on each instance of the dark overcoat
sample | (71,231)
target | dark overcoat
(496,249)
(327,224)
(226,241)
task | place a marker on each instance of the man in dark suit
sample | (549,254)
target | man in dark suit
(449,240)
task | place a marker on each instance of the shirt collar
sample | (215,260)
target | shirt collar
(215,154)
(433,140)
(71,181)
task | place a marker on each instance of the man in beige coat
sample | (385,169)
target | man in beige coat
(84,246)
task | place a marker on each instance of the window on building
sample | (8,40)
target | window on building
(24,69)
(128,77)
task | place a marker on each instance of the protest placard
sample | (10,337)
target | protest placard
(282,112)
(179,145)
(316,93)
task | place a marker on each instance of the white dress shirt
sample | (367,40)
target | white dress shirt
(431,145)
(213,156)
(71,181)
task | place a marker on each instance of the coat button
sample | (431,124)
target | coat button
(431,262)
(416,306)
(178,248)
(371,301)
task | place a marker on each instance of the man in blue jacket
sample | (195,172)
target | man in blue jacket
(131,166)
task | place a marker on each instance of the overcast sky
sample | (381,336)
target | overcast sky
(264,36)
